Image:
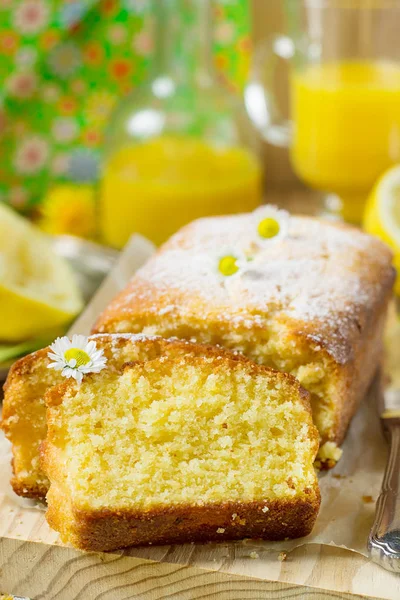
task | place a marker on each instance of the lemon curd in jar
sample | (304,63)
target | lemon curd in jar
(155,187)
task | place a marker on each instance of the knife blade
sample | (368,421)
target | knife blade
(384,538)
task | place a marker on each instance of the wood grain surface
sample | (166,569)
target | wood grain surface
(34,563)
(52,572)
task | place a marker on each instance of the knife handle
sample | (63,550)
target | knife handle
(384,539)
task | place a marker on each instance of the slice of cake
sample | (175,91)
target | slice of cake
(301,295)
(24,409)
(184,443)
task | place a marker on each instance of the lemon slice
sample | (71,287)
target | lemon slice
(37,289)
(382,214)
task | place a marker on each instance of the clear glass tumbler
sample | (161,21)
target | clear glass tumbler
(343,129)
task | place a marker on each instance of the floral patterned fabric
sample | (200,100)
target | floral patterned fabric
(63,66)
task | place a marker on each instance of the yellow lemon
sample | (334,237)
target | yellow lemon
(70,209)
(37,289)
(382,214)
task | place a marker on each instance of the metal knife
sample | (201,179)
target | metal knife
(384,538)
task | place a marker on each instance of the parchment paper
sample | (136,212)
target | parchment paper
(348,492)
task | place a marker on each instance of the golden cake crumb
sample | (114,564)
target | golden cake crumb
(367,499)
(282,556)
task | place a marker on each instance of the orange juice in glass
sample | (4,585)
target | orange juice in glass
(344,128)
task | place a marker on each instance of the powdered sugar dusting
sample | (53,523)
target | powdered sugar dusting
(323,274)
(114,337)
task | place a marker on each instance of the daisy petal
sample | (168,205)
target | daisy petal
(56,366)
(91,348)
(79,341)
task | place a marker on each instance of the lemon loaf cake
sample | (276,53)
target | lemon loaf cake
(295,293)
(184,443)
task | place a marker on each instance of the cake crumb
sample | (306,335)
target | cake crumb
(367,499)
(282,556)
(220,530)
(265,509)
(337,476)
(254,555)
(329,453)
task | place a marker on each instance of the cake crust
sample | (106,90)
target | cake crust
(109,530)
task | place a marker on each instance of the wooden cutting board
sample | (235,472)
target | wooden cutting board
(35,564)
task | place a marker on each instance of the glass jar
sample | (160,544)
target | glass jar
(180,146)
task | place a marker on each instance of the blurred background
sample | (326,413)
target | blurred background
(65,64)
(137,116)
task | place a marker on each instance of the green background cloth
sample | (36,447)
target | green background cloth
(63,65)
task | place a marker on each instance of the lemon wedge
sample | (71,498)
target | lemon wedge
(382,214)
(37,289)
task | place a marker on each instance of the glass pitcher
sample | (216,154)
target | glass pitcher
(344,125)
(179,147)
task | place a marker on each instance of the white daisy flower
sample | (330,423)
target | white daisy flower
(64,129)
(31,155)
(18,197)
(229,262)
(26,56)
(76,357)
(50,93)
(21,85)
(31,16)
(117,34)
(60,163)
(136,6)
(65,59)
(270,223)
(143,43)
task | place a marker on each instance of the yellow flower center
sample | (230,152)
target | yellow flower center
(81,357)
(227,266)
(268,228)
